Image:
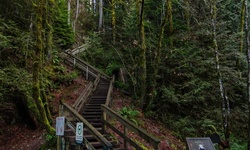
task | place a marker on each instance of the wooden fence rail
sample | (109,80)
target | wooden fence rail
(69,112)
(130,126)
(85,95)
(85,67)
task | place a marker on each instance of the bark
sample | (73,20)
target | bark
(248,63)
(113,21)
(142,53)
(224,102)
(69,9)
(49,29)
(76,15)
(242,20)
(171,27)
(37,67)
(100,15)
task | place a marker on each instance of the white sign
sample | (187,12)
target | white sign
(60,125)
(79,132)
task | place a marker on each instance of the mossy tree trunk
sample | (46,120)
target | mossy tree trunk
(248,63)
(113,20)
(171,26)
(242,21)
(142,53)
(41,4)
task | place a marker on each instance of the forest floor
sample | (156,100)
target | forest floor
(20,137)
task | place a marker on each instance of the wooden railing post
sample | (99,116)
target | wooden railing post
(59,138)
(125,141)
(104,115)
(87,73)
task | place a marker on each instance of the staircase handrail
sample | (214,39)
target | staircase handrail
(128,125)
(84,95)
(91,129)
(86,66)
(110,91)
(77,49)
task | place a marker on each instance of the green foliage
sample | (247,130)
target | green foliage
(58,75)
(50,142)
(130,114)
(237,144)
(63,33)
(112,68)
(121,85)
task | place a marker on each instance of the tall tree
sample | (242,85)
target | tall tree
(40,12)
(152,77)
(171,26)
(142,54)
(242,21)
(76,15)
(100,15)
(248,63)
(224,98)
(69,13)
(113,20)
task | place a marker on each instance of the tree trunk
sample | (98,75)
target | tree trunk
(242,20)
(248,63)
(152,78)
(171,29)
(49,30)
(142,53)
(113,20)
(76,15)
(100,15)
(37,67)
(224,102)
(69,9)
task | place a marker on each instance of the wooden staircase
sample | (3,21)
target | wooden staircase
(92,109)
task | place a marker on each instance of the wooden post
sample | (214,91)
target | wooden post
(104,115)
(87,73)
(125,133)
(59,138)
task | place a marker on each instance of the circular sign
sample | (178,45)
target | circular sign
(79,130)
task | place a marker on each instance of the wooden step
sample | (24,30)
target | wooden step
(98,97)
(92,113)
(68,132)
(86,131)
(91,116)
(92,109)
(91,120)
(93,105)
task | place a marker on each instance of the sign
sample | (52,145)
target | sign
(200,144)
(60,125)
(79,132)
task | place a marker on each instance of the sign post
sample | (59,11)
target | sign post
(199,144)
(60,125)
(79,132)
